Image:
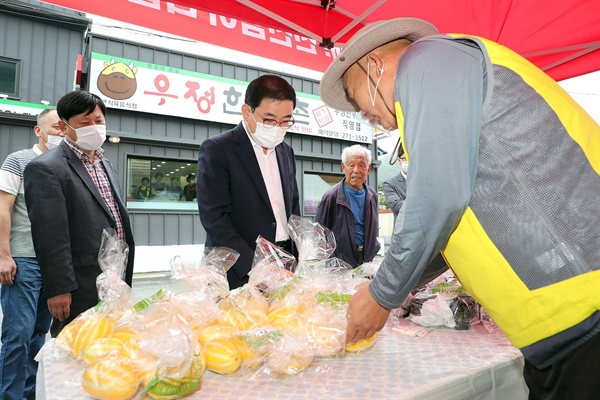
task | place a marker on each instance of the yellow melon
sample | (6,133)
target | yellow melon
(213,332)
(326,340)
(235,317)
(289,364)
(362,345)
(113,378)
(93,328)
(252,356)
(66,337)
(171,385)
(125,335)
(145,363)
(222,356)
(286,318)
(101,348)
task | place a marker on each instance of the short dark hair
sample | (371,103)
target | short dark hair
(190,177)
(269,87)
(145,178)
(156,175)
(78,102)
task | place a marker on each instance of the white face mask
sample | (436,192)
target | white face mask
(53,141)
(90,137)
(404,167)
(268,137)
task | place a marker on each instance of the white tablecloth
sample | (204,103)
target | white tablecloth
(445,364)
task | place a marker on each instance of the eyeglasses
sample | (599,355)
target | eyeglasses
(272,123)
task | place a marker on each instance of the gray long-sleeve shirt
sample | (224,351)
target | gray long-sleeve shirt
(442,104)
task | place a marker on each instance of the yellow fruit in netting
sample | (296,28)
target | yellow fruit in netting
(93,328)
(222,356)
(100,348)
(66,337)
(362,345)
(113,378)
(289,364)
(213,332)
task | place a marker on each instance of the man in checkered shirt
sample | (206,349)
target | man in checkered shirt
(73,194)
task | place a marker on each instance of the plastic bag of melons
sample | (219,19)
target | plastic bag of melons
(271,352)
(271,267)
(313,240)
(209,275)
(115,299)
(164,350)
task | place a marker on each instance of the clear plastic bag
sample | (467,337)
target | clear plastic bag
(272,266)
(209,275)
(314,241)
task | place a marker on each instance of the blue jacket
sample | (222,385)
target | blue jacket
(334,212)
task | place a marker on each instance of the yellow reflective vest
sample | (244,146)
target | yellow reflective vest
(527,246)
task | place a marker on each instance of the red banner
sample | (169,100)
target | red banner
(211,28)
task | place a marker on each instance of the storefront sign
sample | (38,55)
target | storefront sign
(152,88)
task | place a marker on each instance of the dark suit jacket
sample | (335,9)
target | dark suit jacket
(68,216)
(394,190)
(232,197)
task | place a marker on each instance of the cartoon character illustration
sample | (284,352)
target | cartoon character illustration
(117,80)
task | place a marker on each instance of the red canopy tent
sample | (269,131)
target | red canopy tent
(561,37)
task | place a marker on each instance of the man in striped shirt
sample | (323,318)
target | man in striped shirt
(26,319)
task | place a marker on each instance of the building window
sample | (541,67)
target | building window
(314,186)
(161,184)
(10,75)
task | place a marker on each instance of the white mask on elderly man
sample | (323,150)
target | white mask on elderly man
(268,137)
(404,167)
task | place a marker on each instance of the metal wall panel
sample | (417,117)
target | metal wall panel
(48,53)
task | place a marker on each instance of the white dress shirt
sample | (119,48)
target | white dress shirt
(269,169)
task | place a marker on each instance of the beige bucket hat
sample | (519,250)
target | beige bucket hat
(364,41)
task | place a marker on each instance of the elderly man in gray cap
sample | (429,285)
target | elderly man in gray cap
(478,123)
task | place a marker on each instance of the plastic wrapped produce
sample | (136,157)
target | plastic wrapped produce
(209,275)
(313,240)
(272,266)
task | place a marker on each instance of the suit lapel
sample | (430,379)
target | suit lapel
(247,157)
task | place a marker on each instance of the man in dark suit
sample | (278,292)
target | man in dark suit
(247,176)
(394,188)
(72,195)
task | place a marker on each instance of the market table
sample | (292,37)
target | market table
(444,364)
